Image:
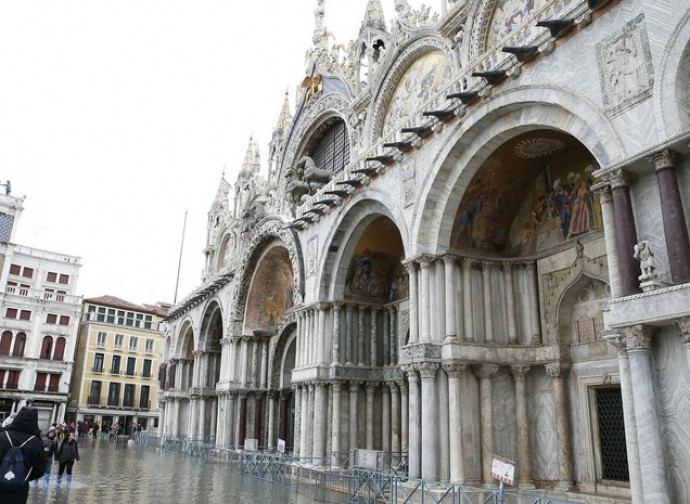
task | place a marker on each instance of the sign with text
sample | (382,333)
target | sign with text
(250,444)
(503,470)
(281,445)
(367,458)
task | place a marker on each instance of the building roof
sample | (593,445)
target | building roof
(159,308)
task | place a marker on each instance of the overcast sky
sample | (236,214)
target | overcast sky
(117,116)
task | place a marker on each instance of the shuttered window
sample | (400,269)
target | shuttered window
(332,151)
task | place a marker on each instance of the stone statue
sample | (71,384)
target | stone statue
(314,175)
(645,254)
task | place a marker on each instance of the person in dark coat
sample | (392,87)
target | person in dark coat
(49,447)
(23,426)
(66,455)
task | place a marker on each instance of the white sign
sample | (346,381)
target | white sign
(367,458)
(281,445)
(250,444)
(503,470)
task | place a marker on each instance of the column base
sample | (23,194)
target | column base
(526,485)
(564,486)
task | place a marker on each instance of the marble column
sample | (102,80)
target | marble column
(264,363)
(304,423)
(485,373)
(393,329)
(385,418)
(354,393)
(414,303)
(451,331)
(258,415)
(336,332)
(467,298)
(231,406)
(255,371)
(201,419)
(299,340)
(395,417)
(524,458)
(427,373)
(297,428)
(335,428)
(559,371)
(323,315)
(606,201)
(684,326)
(309,451)
(626,234)
(386,338)
(320,405)
(652,464)
(373,339)
(271,434)
(371,389)
(425,315)
(631,444)
(193,418)
(415,424)
(455,370)
(488,315)
(675,226)
(533,300)
(404,416)
(361,338)
(220,423)
(510,304)
(242,419)
(349,332)
(284,412)
(245,363)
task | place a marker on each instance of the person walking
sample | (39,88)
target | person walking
(49,447)
(23,431)
(66,455)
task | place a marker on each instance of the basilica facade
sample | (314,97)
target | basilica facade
(471,240)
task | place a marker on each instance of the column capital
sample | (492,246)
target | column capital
(411,371)
(410,266)
(337,305)
(454,369)
(557,369)
(392,386)
(530,265)
(483,371)
(449,259)
(336,385)
(427,370)
(371,387)
(486,266)
(639,337)
(467,262)
(425,261)
(519,370)
(616,340)
(507,267)
(285,395)
(618,178)
(354,386)
(663,159)
(684,326)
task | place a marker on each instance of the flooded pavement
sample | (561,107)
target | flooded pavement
(115,473)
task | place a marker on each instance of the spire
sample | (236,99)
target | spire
(373,17)
(285,116)
(223,189)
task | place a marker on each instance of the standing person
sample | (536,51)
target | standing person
(49,447)
(66,455)
(23,431)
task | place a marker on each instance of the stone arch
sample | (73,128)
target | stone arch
(328,107)
(360,211)
(186,343)
(225,245)
(390,76)
(211,331)
(671,88)
(472,141)
(280,361)
(265,235)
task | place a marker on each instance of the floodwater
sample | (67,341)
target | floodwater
(108,472)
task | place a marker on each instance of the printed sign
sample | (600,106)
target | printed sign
(281,445)
(250,444)
(503,470)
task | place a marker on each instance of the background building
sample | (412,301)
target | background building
(39,312)
(472,239)
(118,356)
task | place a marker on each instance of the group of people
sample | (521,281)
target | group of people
(21,430)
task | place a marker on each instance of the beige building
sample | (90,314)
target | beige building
(117,363)
(39,319)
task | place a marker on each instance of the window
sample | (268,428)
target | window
(5,343)
(64,279)
(41,379)
(133,343)
(111,316)
(54,385)
(51,318)
(149,346)
(59,349)
(24,290)
(101,314)
(51,277)
(19,345)
(28,273)
(146,370)
(140,319)
(11,313)
(115,368)
(114,394)
(144,397)
(100,342)
(614,455)
(64,319)
(98,363)
(95,393)
(147,322)
(25,315)
(15,269)
(120,317)
(119,339)
(131,366)
(47,348)
(61,295)
(130,319)
(332,151)
(48,293)
(13,379)
(128,398)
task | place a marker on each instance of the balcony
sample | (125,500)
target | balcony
(30,292)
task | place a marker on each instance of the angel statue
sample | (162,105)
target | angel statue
(645,254)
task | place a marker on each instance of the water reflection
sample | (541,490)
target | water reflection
(109,472)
